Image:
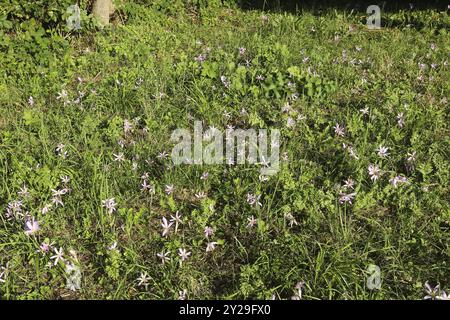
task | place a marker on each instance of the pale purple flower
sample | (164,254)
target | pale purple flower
(338,130)
(253,199)
(343,197)
(242,51)
(201,58)
(184,254)
(44,247)
(110,205)
(396,180)
(260,77)
(204,176)
(147,187)
(31,101)
(164,256)
(290,123)
(127,126)
(208,231)
(31,227)
(349,183)
(251,222)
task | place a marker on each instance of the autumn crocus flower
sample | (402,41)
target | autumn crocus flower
(374,172)
(166,226)
(343,197)
(211,246)
(382,151)
(338,130)
(31,227)
(110,205)
(164,256)
(184,254)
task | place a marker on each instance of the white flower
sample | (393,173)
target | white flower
(65,179)
(23,192)
(211,246)
(443,296)
(200,195)
(166,226)
(119,157)
(169,189)
(162,155)
(288,216)
(113,246)
(411,156)
(299,288)
(63,96)
(176,219)
(432,293)
(58,255)
(143,280)
(400,119)
(290,123)
(225,82)
(182,294)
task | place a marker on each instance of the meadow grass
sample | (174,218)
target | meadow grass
(87,117)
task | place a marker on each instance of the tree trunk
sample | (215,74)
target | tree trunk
(102,10)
